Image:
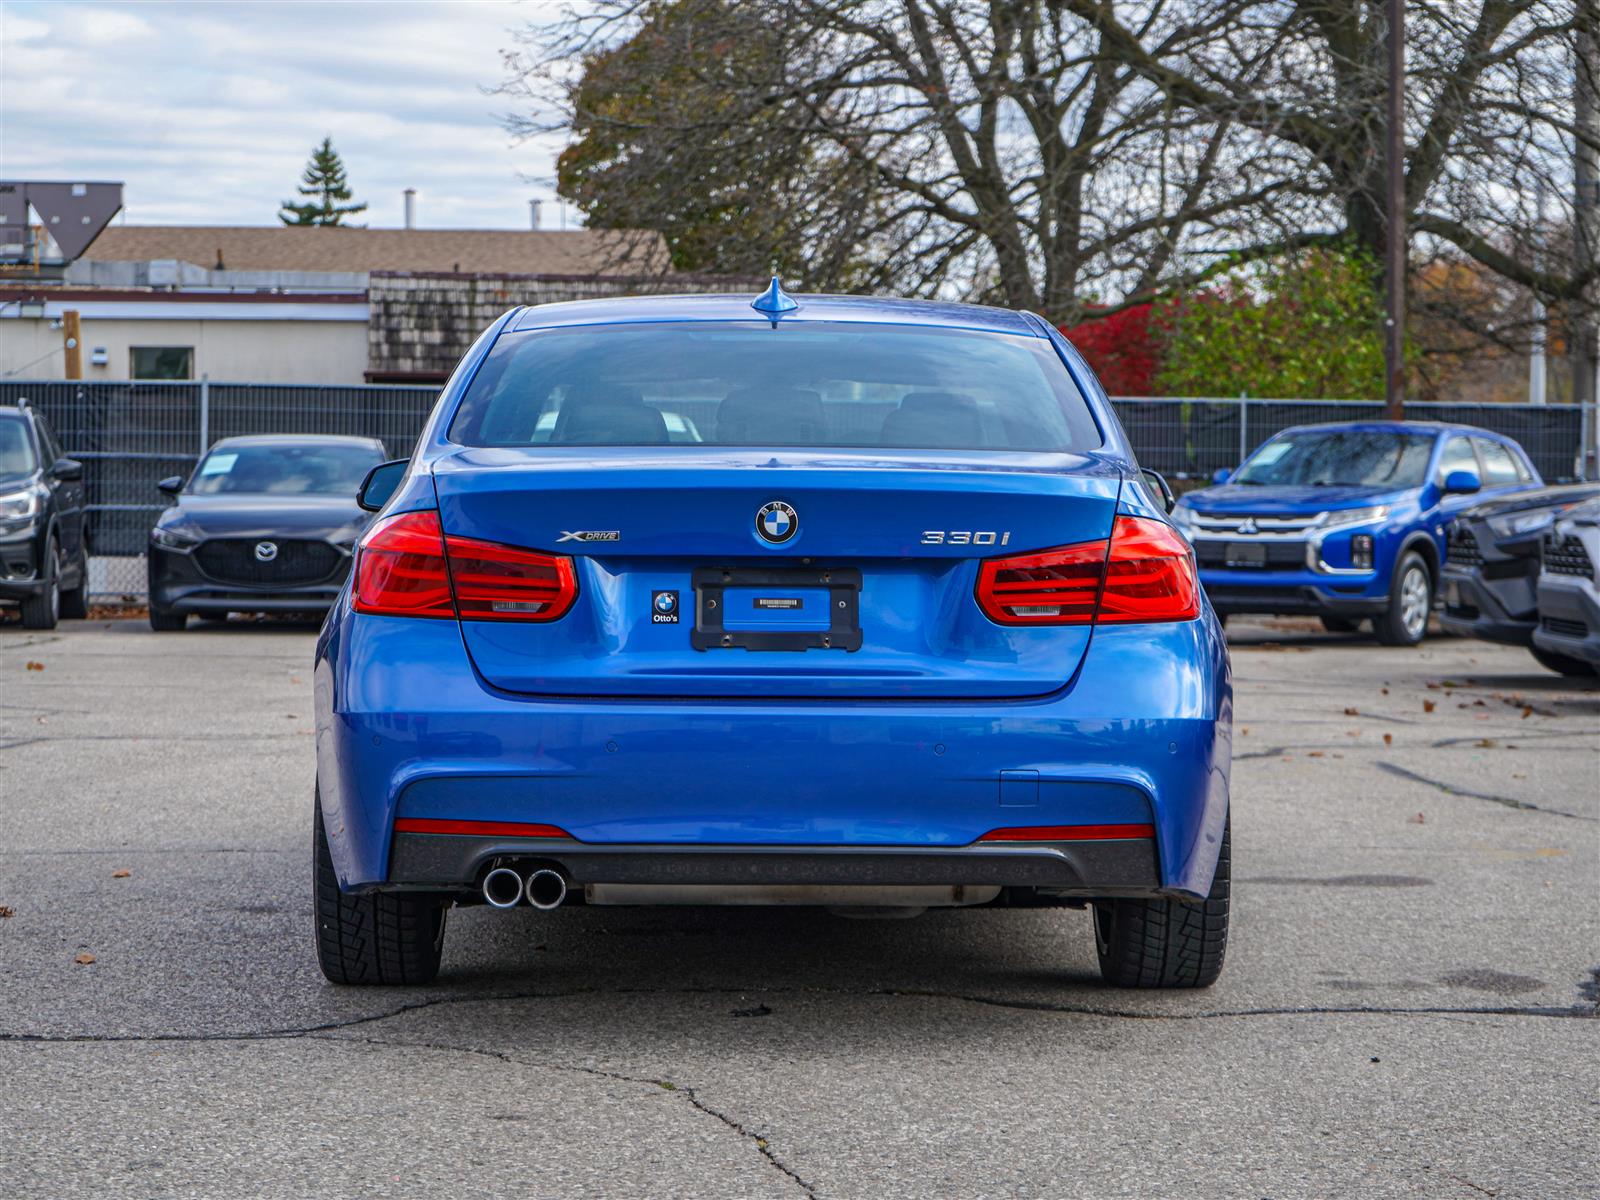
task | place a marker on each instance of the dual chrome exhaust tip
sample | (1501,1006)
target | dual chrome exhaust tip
(544,888)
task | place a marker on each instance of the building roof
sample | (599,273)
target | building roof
(337,248)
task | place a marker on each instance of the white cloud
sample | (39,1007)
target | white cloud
(208,111)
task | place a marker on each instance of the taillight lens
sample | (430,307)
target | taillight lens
(400,568)
(406,567)
(505,583)
(1053,587)
(1146,574)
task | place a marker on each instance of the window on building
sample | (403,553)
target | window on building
(161,362)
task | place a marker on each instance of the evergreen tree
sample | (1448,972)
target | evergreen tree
(325,180)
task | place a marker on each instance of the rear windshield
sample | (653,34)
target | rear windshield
(1346,457)
(284,470)
(796,385)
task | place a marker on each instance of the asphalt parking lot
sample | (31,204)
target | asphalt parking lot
(1409,1007)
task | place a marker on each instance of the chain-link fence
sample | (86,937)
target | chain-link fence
(1192,438)
(131,435)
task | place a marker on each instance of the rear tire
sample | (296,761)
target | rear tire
(386,938)
(164,620)
(1561,664)
(1340,625)
(1166,943)
(44,610)
(1405,621)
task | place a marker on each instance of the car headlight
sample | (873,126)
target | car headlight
(1356,516)
(172,539)
(19,506)
(1513,524)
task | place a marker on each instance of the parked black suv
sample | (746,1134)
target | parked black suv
(44,549)
(1491,569)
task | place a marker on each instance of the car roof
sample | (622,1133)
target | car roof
(1430,427)
(297,439)
(736,307)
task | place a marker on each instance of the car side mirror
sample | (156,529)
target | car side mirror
(67,470)
(381,483)
(1462,482)
(1221,475)
(1159,485)
(171,485)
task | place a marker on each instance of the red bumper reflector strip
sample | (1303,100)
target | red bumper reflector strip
(481,828)
(1068,833)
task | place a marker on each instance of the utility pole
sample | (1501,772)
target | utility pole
(72,344)
(1394,363)
(1586,200)
(1536,360)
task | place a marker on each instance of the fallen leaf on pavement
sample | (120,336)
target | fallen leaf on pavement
(1385,691)
(1315,754)
(1419,819)
(84,959)
(1352,712)
(123,873)
(1526,712)
(1487,743)
(1427,706)
(34,666)
(7,911)
(1388,739)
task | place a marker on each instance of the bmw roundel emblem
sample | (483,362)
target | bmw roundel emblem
(665,602)
(776,522)
(266,551)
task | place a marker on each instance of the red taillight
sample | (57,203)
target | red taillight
(400,568)
(504,583)
(478,828)
(406,567)
(1146,574)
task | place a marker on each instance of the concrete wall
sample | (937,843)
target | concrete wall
(275,350)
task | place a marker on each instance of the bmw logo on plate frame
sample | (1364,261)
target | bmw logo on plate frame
(777,522)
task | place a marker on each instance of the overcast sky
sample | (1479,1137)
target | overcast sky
(208,112)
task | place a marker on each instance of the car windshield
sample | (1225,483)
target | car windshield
(284,470)
(1340,458)
(16,449)
(801,384)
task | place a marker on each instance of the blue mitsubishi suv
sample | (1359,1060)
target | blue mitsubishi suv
(1346,522)
(901,626)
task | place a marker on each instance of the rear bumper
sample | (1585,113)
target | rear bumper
(697,790)
(1122,866)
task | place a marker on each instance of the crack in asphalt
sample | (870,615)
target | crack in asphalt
(1450,790)
(1588,1007)
(688,1093)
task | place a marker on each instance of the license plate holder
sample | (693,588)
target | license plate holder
(762,617)
(1247,554)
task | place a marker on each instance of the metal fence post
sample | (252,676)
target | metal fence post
(1244,428)
(205,414)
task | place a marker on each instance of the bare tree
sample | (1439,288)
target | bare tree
(1063,154)
(1489,118)
(989,150)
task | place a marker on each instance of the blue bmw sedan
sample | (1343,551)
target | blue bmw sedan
(854,603)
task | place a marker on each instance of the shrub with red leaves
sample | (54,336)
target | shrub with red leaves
(1122,348)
